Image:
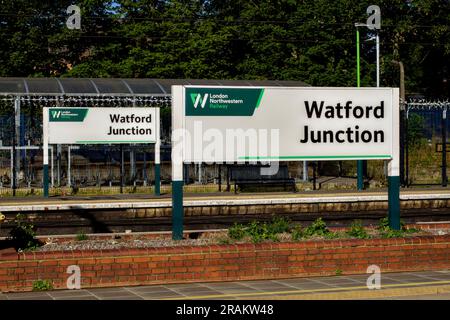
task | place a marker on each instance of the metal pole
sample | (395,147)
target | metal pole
(52,165)
(378,59)
(144,170)
(12,166)
(228,178)
(177,163)
(403,127)
(17,139)
(359,163)
(13,157)
(402,147)
(394,168)
(58,165)
(444,147)
(158,154)
(358,79)
(45,150)
(200,173)
(121,168)
(69,178)
(406,150)
(132,165)
(220,178)
(305,171)
(314,175)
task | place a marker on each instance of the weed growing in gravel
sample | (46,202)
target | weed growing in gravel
(42,285)
(260,231)
(387,232)
(81,236)
(357,230)
(297,233)
(317,228)
(237,231)
(279,225)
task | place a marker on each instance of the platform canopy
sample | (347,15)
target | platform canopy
(115,86)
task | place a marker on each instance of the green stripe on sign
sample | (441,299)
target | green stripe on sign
(382,156)
(108,141)
(259,98)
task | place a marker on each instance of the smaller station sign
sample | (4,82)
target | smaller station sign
(101,125)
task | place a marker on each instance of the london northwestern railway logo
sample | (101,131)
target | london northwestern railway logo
(222,101)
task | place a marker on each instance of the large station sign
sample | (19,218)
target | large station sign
(233,124)
(101,125)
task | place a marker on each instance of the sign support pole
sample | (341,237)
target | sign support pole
(45,151)
(157,155)
(444,147)
(177,162)
(359,163)
(394,167)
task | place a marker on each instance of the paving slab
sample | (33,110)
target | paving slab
(32,298)
(79,298)
(68,293)
(336,287)
(26,295)
(126,298)
(149,290)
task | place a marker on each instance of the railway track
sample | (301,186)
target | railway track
(110,221)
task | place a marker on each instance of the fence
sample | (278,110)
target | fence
(98,169)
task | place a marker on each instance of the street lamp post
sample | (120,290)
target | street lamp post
(362,163)
(378,58)
(359,163)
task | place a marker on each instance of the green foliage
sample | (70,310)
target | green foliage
(357,230)
(312,41)
(237,231)
(387,232)
(224,240)
(338,272)
(42,285)
(317,228)
(258,232)
(297,233)
(383,224)
(81,236)
(23,235)
(332,235)
(391,233)
(411,230)
(279,225)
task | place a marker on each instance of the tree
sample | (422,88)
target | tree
(309,40)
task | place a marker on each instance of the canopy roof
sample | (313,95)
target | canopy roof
(117,87)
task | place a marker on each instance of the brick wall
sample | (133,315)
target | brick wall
(224,262)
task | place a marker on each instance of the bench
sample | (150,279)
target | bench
(242,175)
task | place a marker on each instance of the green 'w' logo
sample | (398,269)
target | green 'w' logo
(198,99)
(56,114)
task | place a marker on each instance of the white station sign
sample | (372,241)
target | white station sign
(101,125)
(233,124)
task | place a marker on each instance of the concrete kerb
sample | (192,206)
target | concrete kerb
(219,202)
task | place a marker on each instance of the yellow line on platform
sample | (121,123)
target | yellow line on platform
(366,294)
(305,292)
